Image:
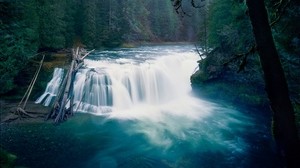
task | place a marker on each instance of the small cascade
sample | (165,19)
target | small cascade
(52,88)
(92,91)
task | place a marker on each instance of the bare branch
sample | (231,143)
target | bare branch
(179,9)
(280,8)
(197,49)
(243,64)
(197,6)
(86,54)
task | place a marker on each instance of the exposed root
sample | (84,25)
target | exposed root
(21,112)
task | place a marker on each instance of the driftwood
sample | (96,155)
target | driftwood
(59,112)
(21,108)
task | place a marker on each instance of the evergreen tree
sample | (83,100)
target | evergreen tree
(136,15)
(115,23)
(89,23)
(102,22)
(285,130)
(52,24)
(229,27)
(163,19)
(19,39)
(72,6)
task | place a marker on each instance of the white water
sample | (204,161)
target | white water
(123,84)
(152,89)
(144,114)
(52,87)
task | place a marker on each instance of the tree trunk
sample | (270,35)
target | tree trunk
(285,130)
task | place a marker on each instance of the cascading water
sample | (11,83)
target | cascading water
(52,87)
(143,114)
(112,85)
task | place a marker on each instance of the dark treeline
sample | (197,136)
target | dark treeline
(263,46)
(96,23)
(230,33)
(31,26)
(230,28)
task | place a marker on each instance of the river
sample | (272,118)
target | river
(136,108)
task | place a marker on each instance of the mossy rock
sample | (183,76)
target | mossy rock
(199,77)
(231,92)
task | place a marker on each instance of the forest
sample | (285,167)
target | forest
(31,26)
(233,58)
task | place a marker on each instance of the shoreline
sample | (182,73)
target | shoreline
(8,113)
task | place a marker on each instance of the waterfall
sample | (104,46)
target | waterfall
(52,87)
(120,84)
(139,78)
(145,107)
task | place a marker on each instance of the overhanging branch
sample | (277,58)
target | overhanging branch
(243,64)
(179,9)
(280,8)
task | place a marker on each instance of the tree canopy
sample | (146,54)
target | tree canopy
(31,26)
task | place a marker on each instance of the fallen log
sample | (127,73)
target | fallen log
(54,110)
(59,112)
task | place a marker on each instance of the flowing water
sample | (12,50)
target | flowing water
(135,108)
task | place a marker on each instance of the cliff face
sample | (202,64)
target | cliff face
(218,77)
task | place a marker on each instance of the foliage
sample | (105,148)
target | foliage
(287,36)
(19,40)
(29,26)
(52,26)
(233,33)
(229,26)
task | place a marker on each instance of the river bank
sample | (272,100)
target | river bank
(8,112)
(221,76)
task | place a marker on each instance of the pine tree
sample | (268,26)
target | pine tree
(89,23)
(19,39)
(52,24)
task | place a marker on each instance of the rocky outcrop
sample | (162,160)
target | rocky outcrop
(218,77)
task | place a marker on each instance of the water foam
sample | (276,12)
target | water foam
(151,91)
(155,94)
(123,84)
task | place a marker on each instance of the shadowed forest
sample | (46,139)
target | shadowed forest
(31,26)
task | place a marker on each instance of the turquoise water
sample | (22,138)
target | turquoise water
(162,124)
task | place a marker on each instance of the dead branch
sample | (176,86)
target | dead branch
(199,53)
(34,80)
(59,112)
(179,9)
(21,111)
(280,9)
(86,54)
(243,64)
(197,6)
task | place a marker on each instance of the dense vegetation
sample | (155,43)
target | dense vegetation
(224,27)
(271,36)
(233,44)
(31,26)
